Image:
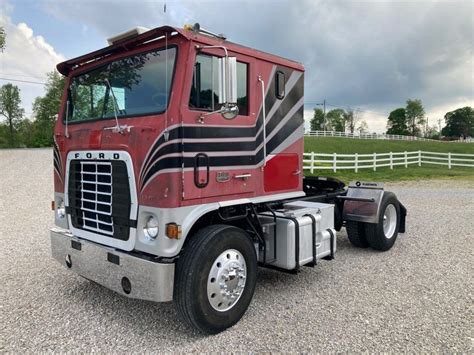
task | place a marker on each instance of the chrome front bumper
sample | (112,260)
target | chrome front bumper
(128,275)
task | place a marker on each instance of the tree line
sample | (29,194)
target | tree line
(18,131)
(410,120)
(338,120)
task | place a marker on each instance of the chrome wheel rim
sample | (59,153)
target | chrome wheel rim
(389,221)
(226,280)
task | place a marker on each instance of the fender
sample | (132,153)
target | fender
(362,203)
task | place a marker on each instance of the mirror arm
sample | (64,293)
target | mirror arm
(66,131)
(264,121)
(198,47)
(201,117)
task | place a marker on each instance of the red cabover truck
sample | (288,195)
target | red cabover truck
(178,170)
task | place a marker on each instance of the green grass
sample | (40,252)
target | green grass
(364,146)
(413,172)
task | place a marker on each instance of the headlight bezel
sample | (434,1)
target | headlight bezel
(151,228)
(61,210)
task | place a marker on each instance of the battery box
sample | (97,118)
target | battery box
(292,244)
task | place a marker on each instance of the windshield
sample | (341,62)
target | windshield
(140,84)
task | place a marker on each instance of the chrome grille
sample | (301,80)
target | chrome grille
(99,198)
(96,196)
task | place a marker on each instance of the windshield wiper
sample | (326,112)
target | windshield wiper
(117,127)
(68,100)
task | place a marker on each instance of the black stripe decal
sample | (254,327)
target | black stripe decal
(270,97)
(295,122)
(176,162)
(57,160)
(175,133)
(288,103)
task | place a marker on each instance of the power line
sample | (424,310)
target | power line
(24,76)
(349,108)
(358,109)
(23,81)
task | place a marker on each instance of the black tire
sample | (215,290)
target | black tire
(192,272)
(356,234)
(375,232)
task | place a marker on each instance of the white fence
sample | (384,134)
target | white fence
(323,161)
(393,137)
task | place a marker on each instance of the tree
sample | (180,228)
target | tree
(432,132)
(350,119)
(45,110)
(10,108)
(415,115)
(3,36)
(363,128)
(397,122)
(335,120)
(459,123)
(317,122)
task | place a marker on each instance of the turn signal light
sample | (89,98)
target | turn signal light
(173,231)
(53,207)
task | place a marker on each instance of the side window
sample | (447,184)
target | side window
(204,89)
(280,85)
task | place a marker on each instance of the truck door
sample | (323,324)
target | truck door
(218,154)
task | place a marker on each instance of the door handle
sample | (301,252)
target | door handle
(297,172)
(197,165)
(242,176)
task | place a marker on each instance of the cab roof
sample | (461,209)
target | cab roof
(128,44)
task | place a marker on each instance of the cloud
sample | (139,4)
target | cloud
(26,57)
(366,54)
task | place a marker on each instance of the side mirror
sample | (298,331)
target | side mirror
(227,88)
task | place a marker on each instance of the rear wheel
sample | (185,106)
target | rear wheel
(215,278)
(356,234)
(382,236)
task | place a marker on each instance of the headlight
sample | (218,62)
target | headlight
(61,210)
(151,228)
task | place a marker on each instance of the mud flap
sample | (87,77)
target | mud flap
(403,218)
(362,202)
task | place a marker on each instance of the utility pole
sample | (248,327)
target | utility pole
(324,113)
(439,125)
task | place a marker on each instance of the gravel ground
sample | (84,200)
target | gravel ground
(416,297)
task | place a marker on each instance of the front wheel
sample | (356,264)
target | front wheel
(215,278)
(382,236)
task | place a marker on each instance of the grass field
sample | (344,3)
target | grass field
(350,146)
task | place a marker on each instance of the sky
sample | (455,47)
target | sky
(370,56)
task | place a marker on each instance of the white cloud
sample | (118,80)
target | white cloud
(26,57)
